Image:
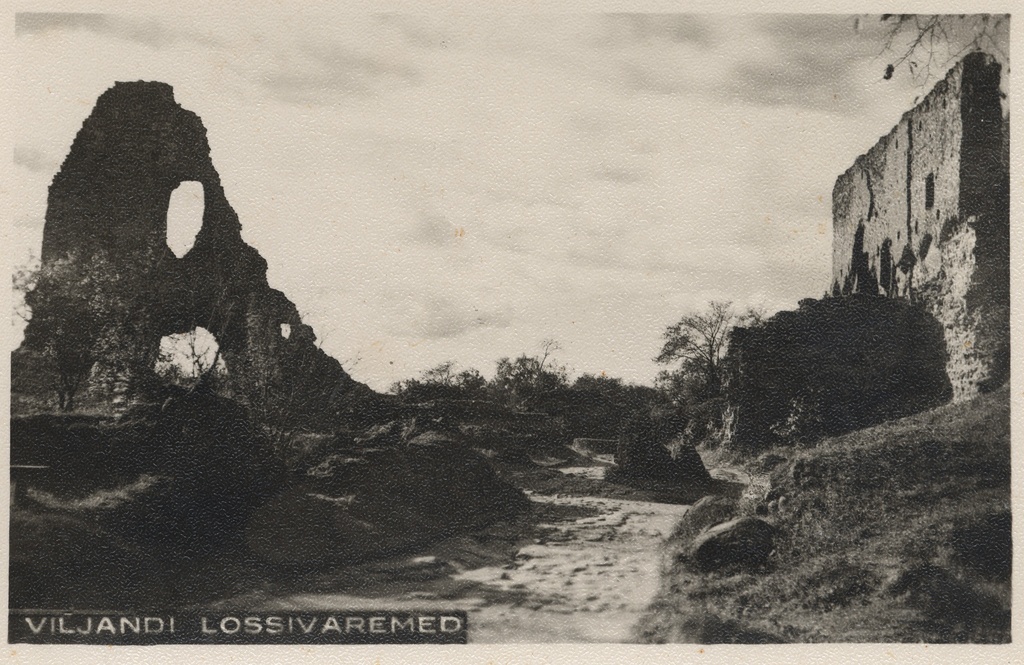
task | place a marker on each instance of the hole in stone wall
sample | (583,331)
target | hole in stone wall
(929,192)
(187,357)
(286,330)
(184,217)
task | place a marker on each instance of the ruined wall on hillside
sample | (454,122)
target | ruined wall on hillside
(110,199)
(832,366)
(924,215)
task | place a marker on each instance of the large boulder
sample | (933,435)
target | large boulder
(711,510)
(372,502)
(706,513)
(650,449)
(745,542)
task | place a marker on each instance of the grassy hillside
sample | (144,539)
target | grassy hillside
(899,532)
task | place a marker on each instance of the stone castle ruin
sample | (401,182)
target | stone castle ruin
(111,199)
(924,216)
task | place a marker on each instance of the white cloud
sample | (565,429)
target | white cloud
(429,188)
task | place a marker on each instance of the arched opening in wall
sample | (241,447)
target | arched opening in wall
(929,192)
(184,217)
(187,358)
(886,265)
(926,244)
(863,279)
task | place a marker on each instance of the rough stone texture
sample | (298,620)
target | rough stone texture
(924,215)
(744,542)
(111,198)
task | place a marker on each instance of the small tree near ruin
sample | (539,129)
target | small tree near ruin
(927,45)
(79,308)
(697,342)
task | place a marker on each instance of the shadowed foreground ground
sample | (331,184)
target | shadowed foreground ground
(580,567)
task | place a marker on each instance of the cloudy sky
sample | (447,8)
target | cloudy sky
(428,188)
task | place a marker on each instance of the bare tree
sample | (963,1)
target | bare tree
(927,44)
(698,343)
(190,361)
(443,374)
(548,347)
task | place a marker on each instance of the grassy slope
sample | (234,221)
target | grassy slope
(874,545)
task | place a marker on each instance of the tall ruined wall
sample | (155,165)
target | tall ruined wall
(111,199)
(924,215)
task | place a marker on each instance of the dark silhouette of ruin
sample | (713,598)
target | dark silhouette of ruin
(110,199)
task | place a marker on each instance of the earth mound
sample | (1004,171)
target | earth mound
(369,502)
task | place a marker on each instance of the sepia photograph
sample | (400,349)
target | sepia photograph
(365,327)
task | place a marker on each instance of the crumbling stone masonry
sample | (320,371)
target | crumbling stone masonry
(111,198)
(924,215)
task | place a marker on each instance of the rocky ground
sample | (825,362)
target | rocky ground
(585,579)
(539,546)
(582,566)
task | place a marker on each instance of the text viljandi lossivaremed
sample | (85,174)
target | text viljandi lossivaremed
(349,628)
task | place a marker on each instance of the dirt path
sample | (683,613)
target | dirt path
(585,580)
(578,569)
